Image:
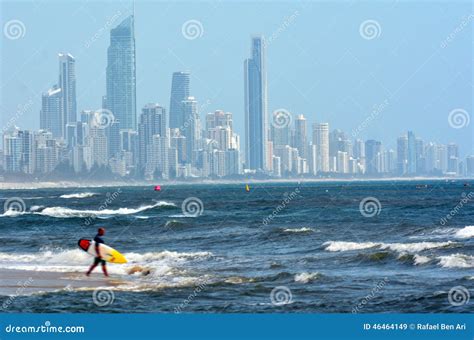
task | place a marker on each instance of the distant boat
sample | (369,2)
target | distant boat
(247,188)
(422,186)
(157,188)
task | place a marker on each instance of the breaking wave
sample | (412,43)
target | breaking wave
(79,195)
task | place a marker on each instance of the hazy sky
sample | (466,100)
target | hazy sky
(413,57)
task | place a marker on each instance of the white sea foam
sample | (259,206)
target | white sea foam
(36,207)
(13,213)
(63,212)
(466,232)
(79,195)
(76,260)
(456,261)
(347,246)
(398,247)
(306,277)
(298,230)
(420,259)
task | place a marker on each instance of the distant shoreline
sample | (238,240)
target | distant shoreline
(72,184)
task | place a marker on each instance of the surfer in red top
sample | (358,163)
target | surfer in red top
(98,239)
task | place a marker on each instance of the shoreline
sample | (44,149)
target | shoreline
(72,184)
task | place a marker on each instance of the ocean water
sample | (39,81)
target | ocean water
(326,247)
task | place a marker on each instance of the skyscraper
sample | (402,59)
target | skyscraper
(51,115)
(120,74)
(191,128)
(67,84)
(373,151)
(300,136)
(152,122)
(411,166)
(402,155)
(256,106)
(321,140)
(179,92)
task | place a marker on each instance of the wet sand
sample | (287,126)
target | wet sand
(24,282)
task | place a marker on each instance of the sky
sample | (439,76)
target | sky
(371,69)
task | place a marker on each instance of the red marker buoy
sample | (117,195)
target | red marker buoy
(157,188)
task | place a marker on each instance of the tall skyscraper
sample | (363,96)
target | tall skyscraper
(51,115)
(411,166)
(179,92)
(402,155)
(152,122)
(301,139)
(191,127)
(321,140)
(67,84)
(373,153)
(256,106)
(120,74)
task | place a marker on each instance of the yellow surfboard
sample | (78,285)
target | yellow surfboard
(107,253)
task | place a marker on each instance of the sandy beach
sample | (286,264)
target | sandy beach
(25,282)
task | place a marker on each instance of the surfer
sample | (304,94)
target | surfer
(98,260)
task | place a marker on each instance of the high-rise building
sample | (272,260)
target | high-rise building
(51,115)
(152,122)
(191,127)
(256,106)
(402,155)
(301,139)
(67,84)
(121,74)
(179,92)
(411,164)
(321,140)
(373,151)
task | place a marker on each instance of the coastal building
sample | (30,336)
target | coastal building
(256,106)
(179,92)
(121,74)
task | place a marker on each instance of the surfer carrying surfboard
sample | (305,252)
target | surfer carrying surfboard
(98,259)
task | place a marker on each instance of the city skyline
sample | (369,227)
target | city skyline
(288,21)
(104,139)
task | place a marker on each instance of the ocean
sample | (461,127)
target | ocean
(284,247)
